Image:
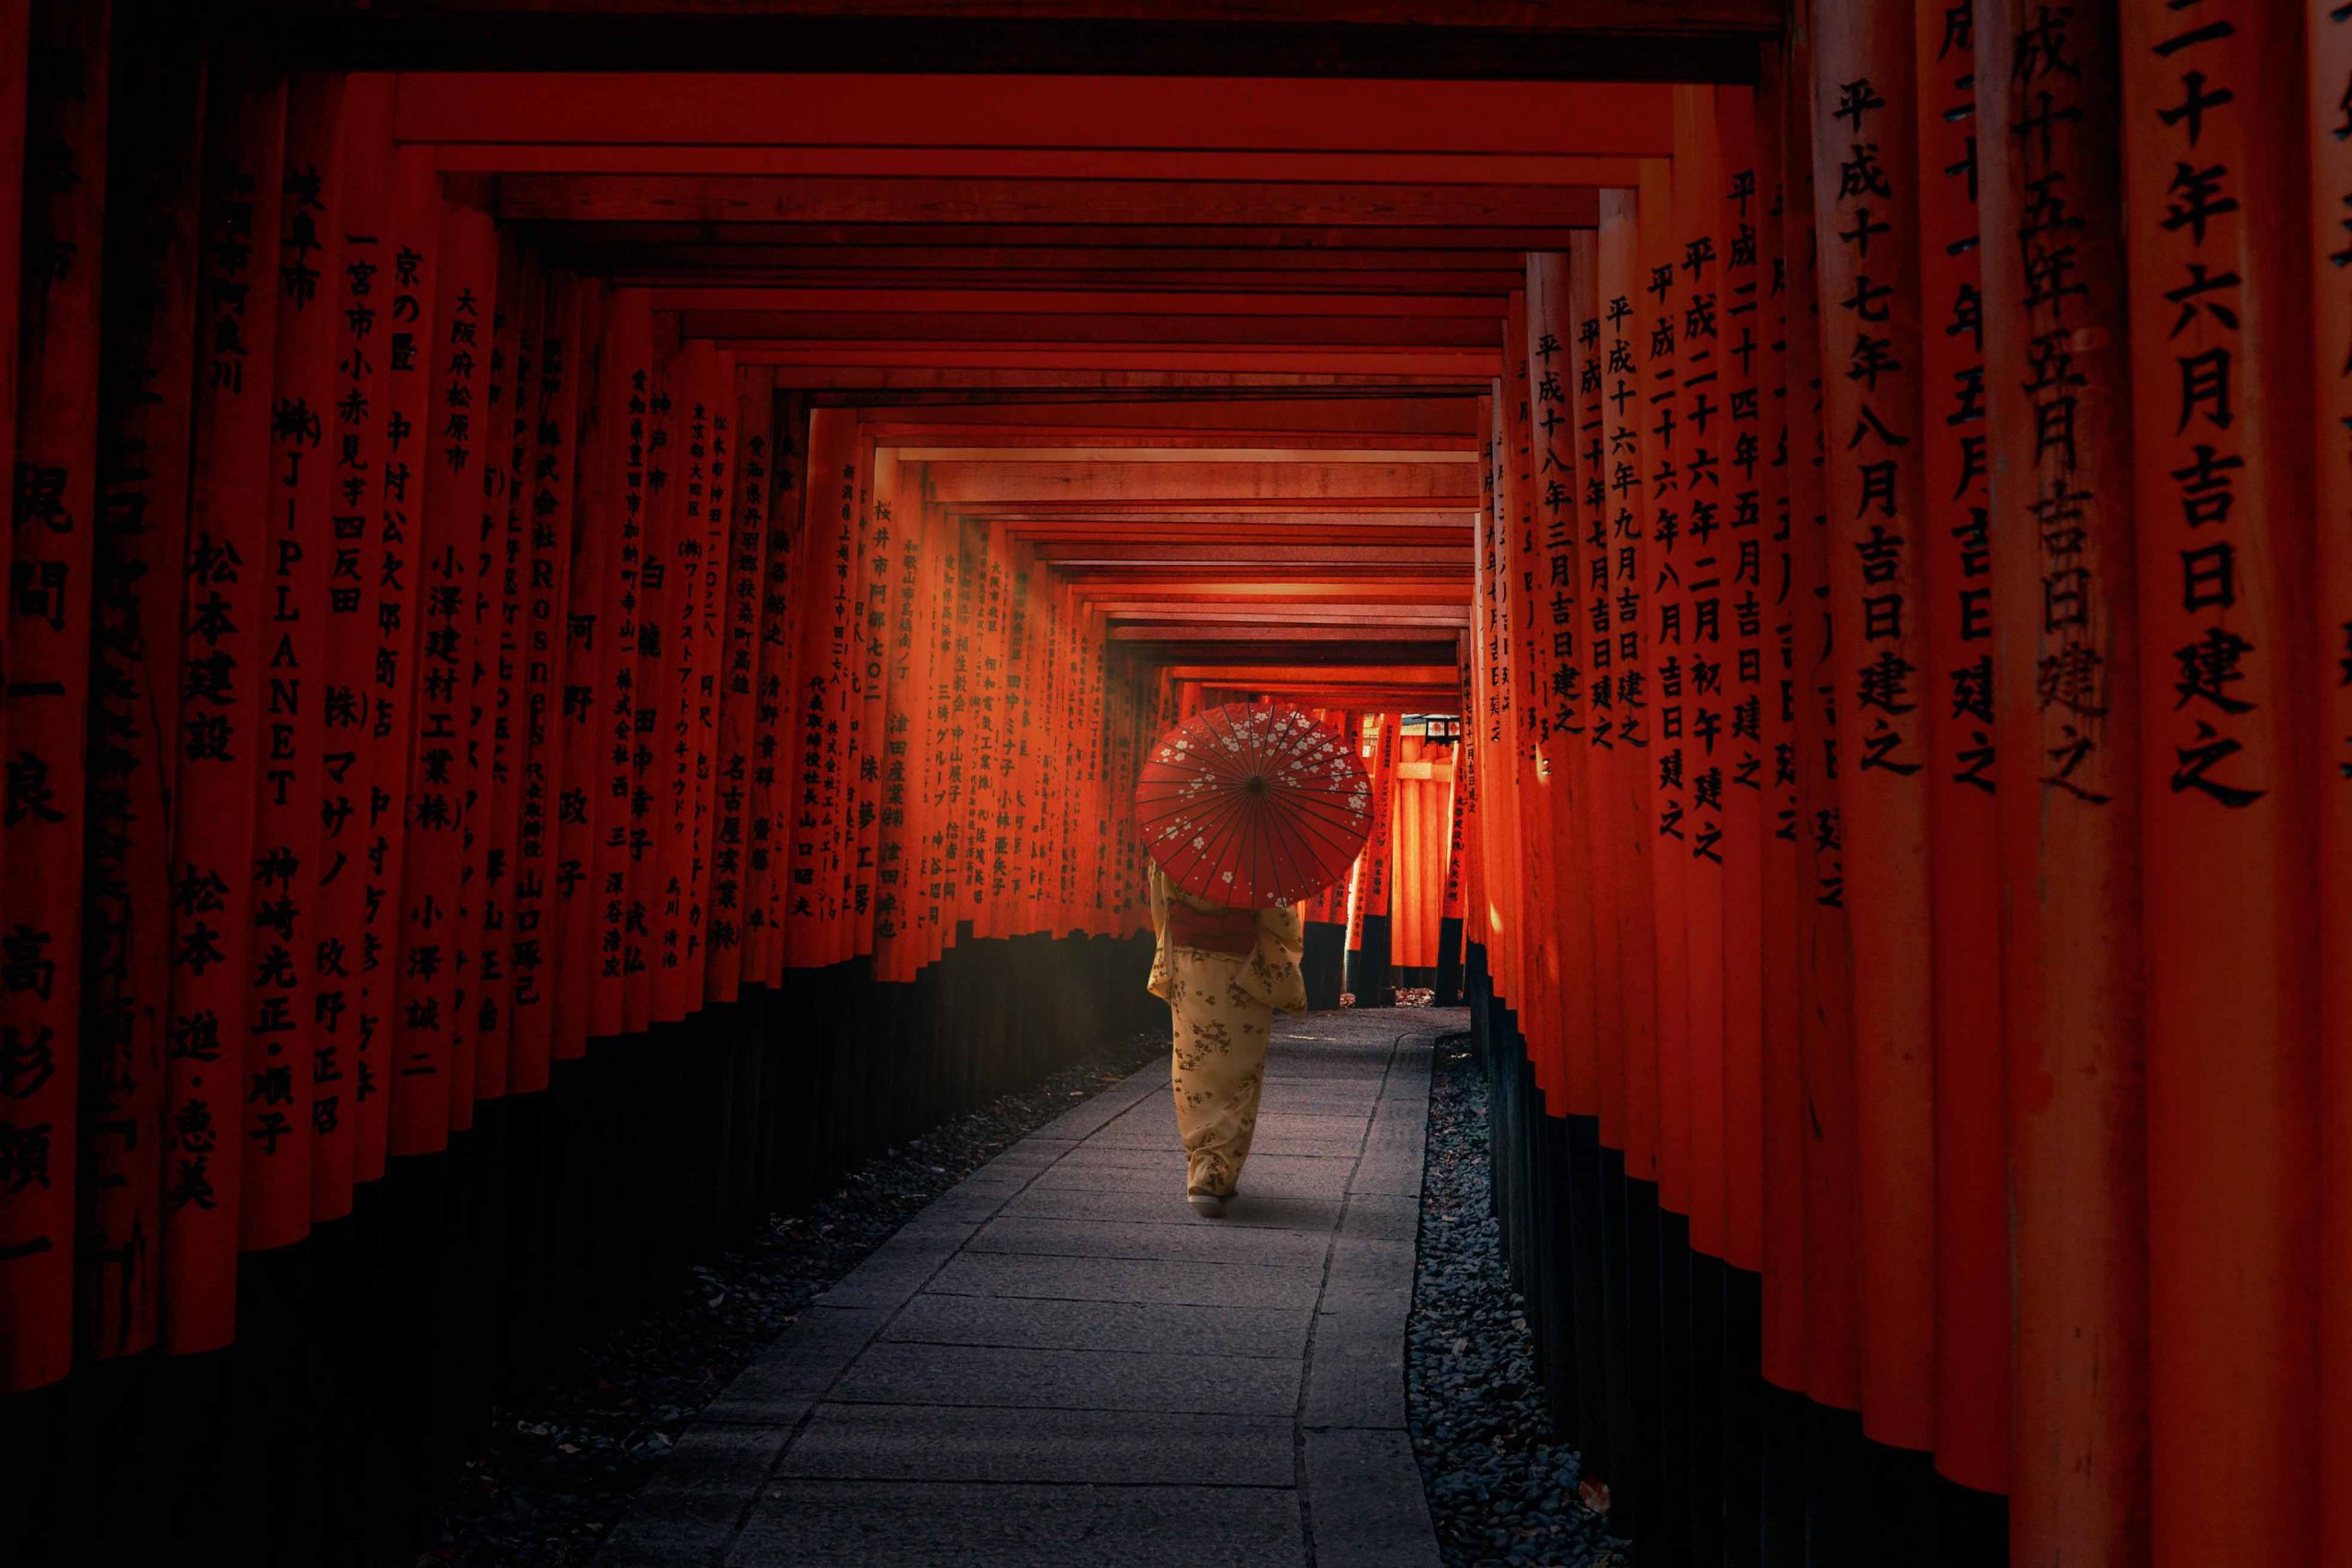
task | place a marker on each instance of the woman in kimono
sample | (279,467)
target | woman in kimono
(1222,973)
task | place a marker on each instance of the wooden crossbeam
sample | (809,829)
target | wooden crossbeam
(734,199)
(737,108)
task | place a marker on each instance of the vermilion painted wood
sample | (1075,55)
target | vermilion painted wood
(953,330)
(217,776)
(514,387)
(904,914)
(442,874)
(870,110)
(47,630)
(1004,306)
(1518,963)
(1742,337)
(1784,867)
(15,47)
(1475,249)
(1450,906)
(2330,42)
(817,363)
(649,928)
(398,318)
(670,740)
(1606,787)
(628,397)
(788,520)
(1484,701)
(154,176)
(1284,417)
(1973,1297)
(289,1051)
(1359,875)
(1405,846)
(728,198)
(484,438)
(2073,963)
(1708,565)
(1562,609)
(354,975)
(716,398)
(1539,746)
(818,699)
(579,799)
(879,583)
(1629,1118)
(1833,1373)
(1655,327)
(1870,373)
(984,612)
(547,497)
(1058,164)
(2229,797)
(735,759)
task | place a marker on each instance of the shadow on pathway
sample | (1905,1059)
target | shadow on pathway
(1057,1363)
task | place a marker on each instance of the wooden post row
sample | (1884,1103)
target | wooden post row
(1957,960)
(421,663)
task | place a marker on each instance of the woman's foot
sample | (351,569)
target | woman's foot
(1208,1205)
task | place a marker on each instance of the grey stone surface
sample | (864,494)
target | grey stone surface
(1177,1242)
(1125,1279)
(797,1369)
(1365,1501)
(1092,1448)
(1221,1330)
(1160,1204)
(1057,1363)
(920,1524)
(1357,1377)
(905,1374)
(690,1511)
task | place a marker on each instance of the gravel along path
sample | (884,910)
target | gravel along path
(554,1474)
(1502,1488)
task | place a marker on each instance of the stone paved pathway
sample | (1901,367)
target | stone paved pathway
(1057,1363)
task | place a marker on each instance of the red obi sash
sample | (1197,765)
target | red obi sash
(1230,932)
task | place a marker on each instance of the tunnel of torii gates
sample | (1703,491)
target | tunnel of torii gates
(579,624)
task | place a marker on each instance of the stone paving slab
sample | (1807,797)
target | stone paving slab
(1152,1239)
(1057,1363)
(1125,1279)
(905,1374)
(1091,1448)
(1364,1498)
(1270,1175)
(1224,1330)
(933,1524)
(1257,1212)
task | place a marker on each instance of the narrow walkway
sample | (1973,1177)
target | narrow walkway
(1058,1362)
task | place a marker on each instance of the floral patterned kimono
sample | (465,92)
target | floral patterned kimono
(1222,973)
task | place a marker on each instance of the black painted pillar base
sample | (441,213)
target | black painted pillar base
(1325,963)
(367,1356)
(1652,1354)
(1449,962)
(1369,974)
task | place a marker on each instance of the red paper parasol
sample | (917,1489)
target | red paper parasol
(1253,805)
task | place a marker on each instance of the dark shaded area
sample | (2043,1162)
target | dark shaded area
(1649,1357)
(369,1356)
(560,1465)
(386,38)
(1323,965)
(1370,974)
(1501,1482)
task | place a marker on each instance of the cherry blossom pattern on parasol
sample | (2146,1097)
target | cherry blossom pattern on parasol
(1252,805)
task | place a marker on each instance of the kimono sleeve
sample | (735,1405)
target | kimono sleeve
(1282,942)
